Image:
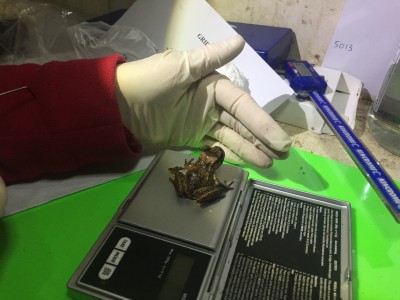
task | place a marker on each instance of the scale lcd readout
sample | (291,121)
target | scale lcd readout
(146,268)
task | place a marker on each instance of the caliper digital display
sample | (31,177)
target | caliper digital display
(303,77)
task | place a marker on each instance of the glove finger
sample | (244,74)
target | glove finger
(234,124)
(240,146)
(243,107)
(203,61)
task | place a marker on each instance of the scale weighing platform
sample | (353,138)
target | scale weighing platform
(261,241)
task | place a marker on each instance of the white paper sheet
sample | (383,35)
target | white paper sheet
(185,24)
(26,195)
(365,41)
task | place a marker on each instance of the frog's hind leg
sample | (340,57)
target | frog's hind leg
(179,183)
(227,185)
(223,185)
(208,195)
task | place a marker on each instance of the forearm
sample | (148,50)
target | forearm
(67,117)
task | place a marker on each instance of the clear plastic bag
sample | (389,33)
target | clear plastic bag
(100,39)
(38,33)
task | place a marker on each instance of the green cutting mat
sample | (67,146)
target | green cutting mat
(40,248)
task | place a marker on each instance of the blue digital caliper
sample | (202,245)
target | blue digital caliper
(304,80)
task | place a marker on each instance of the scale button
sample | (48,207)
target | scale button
(115,257)
(106,271)
(123,244)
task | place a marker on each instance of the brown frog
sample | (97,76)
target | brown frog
(197,180)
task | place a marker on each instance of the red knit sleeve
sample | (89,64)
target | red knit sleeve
(65,118)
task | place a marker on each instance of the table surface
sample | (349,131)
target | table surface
(41,247)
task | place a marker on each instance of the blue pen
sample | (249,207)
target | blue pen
(374,173)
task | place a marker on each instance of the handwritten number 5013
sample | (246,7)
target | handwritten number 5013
(343,46)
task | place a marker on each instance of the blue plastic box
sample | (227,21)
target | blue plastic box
(271,43)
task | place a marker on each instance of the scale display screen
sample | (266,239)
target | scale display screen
(135,266)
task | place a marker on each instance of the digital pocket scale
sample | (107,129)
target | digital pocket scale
(261,241)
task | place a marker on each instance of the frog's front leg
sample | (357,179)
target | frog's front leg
(175,170)
(188,163)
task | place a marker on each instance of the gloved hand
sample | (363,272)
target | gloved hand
(178,99)
(3,196)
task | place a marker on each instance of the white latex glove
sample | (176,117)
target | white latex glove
(177,99)
(3,196)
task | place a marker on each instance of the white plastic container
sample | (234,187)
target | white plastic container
(384,116)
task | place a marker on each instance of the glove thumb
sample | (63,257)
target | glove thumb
(205,60)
